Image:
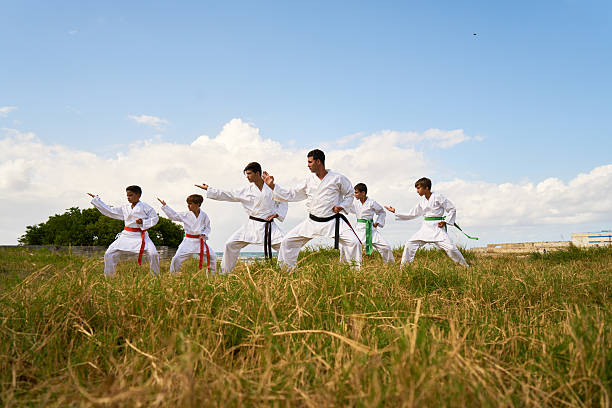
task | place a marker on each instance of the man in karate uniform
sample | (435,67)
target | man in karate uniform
(431,206)
(367,228)
(138,218)
(197,230)
(256,199)
(328,195)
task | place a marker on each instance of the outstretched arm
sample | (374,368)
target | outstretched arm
(224,195)
(112,212)
(173,215)
(286,194)
(390,209)
(415,212)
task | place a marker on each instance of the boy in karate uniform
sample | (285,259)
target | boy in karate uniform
(138,218)
(367,228)
(260,228)
(197,229)
(431,206)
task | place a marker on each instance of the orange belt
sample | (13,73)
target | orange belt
(142,237)
(202,245)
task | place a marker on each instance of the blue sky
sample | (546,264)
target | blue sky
(531,89)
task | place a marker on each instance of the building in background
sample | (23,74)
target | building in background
(588,239)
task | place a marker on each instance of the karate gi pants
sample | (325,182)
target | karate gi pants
(349,245)
(378,242)
(182,255)
(112,256)
(451,250)
(385,251)
(232,252)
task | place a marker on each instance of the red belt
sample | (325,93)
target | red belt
(202,245)
(142,237)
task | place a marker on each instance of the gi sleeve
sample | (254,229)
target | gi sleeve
(347,194)
(381,214)
(151,219)
(112,212)
(225,195)
(450,209)
(415,212)
(173,215)
(351,208)
(281,210)
(290,194)
(206,227)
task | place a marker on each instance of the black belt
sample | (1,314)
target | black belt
(267,235)
(337,217)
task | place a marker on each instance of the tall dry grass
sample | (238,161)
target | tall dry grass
(532,331)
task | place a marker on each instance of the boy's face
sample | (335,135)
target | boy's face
(360,195)
(422,190)
(193,206)
(132,197)
(252,175)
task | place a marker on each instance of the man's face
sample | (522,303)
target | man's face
(360,195)
(314,165)
(422,190)
(193,206)
(250,175)
(132,197)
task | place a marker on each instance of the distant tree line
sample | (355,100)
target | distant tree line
(90,227)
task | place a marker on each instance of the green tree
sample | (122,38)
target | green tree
(90,227)
(167,233)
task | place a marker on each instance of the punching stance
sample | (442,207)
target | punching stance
(197,230)
(328,194)
(367,227)
(256,199)
(431,207)
(134,239)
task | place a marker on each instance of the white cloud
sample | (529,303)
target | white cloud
(154,121)
(73,32)
(38,180)
(436,137)
(5,110)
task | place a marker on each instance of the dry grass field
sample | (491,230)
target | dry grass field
(509,331)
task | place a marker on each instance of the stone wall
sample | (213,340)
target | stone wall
(88,251)
(522,247)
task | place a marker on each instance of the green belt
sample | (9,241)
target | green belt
(368,225)
(442,219)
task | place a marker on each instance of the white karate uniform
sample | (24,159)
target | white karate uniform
(192,225)
(321,195)
(367,210)
(129,242)
(257,203)
(430,232)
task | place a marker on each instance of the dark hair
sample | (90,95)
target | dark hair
(254,167)
(361,187)
(196,199)
(134,189)
(317,154)
(425,182)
